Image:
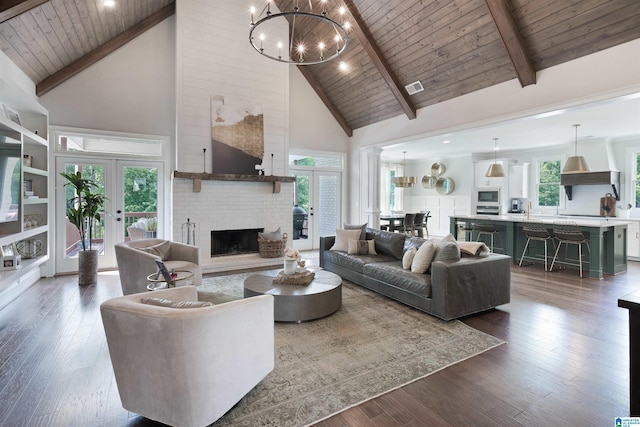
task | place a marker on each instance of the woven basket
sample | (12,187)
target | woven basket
(272,248)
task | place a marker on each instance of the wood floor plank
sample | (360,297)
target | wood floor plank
(565,362)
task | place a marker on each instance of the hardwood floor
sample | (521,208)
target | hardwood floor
(565,362)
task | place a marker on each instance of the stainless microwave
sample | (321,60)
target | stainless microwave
(488,196)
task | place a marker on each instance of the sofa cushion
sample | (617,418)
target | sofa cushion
(408,256)
(413,242)
(353,262)
(362,247)
(424,256)
(342,239)
(161,249)
(393,274)
(447,249)
(175,304)
(361,227)
(391,244)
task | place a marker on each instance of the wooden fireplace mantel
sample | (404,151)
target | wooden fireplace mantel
(198,177)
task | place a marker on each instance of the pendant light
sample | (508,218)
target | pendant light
(404,181)
(495,169)
(575,163)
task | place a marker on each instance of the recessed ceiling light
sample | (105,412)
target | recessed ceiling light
(343,66)
(446,142)
(108,3)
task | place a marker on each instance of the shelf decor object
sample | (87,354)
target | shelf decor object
(30,248)
(313,36)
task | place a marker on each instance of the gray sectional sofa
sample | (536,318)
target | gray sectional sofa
(450,289)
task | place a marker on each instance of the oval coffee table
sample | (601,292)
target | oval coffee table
(298,303)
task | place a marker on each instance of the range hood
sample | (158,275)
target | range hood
(611,177)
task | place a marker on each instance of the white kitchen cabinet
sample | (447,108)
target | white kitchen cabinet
(633,239)
(519,181)
(483,181)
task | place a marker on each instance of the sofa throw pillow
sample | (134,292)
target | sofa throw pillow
(361,247)
(161,302)
(274,235)
(342,239)
(362,228)
(407,258)
(161,249)
(447,249)
(422,260)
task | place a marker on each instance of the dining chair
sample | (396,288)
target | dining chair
(408,223)
(427,215)
(418,224)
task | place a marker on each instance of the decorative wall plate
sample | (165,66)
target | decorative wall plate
(438,169)
(429,181)
(445,185)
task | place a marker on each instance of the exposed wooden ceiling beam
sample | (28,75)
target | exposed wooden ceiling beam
(306,72)
(100,52)
(369,45)
(513,41)
(12,8)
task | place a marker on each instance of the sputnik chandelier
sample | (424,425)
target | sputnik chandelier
(313,37)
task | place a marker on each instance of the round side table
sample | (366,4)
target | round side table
(158,282)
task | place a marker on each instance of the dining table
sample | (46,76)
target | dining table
(395,221)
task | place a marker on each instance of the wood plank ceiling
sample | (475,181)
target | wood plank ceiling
(452,47)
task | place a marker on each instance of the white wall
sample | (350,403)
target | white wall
(606,74)
(312,127)
(132,90)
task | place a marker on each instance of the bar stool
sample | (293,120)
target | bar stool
(569,233)
(537,233)
(488,228)
(408,223)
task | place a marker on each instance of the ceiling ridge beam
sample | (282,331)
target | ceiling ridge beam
(372,49)
(513,41)
(9,10)
(104,50)
(306,72)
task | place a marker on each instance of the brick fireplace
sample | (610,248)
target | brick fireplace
(231,205)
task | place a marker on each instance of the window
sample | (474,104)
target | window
(636,178)
(390,196)
(549,183)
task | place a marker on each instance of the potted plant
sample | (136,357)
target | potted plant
(152,227)
(83,209)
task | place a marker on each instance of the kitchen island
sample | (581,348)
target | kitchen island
(607,237)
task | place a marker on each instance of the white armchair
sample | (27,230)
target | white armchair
(134,265)
(187,366)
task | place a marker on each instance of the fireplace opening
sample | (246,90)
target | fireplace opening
(234,242)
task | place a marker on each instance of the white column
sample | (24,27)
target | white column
(373,206)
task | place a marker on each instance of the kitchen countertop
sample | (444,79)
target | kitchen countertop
(584,221)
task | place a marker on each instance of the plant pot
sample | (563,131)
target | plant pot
(87,268)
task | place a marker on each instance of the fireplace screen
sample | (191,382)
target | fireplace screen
(234,242)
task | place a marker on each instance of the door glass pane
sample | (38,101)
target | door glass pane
(328,202)
(301,217)
(140,201)
(94,228)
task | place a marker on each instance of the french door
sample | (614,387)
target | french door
(319,193)
(134,190)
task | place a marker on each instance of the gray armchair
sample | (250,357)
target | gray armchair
(187,366)
(136,260)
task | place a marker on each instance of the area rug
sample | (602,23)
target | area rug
(370,346)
